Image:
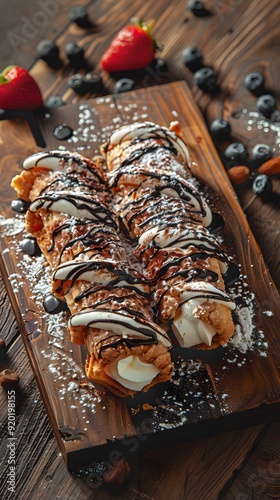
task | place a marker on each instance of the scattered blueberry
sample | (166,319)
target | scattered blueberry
(62,132)
(20,206)
(262,185)
(53,305)
(260,154)
(29,246)
(79,16)
(54,101)
(198,8)
(159,65)
(232,274)
(217,223)
(76,82)
(266,104)
(93,82)
(236,154)
(192,58)
(48,51)
(206,79)
(275,116)
(75,55)
(255,83)
(124,85)
(220,130)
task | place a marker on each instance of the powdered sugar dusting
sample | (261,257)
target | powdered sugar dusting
(11,226)
(183,396)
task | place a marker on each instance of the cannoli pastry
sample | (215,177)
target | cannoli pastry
(167,218)
(146,144)
(178,253)
(49,168)
(109,300)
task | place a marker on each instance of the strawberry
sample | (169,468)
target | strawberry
(18,90)
(132,48)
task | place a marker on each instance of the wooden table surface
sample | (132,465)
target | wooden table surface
(237,37)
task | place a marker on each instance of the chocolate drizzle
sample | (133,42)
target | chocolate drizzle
(139,153)
(73,181)
(137,329)
(83,206)
(166,215)
(90,266)
(126,278)
(92,238)
(65,161)
(139,132)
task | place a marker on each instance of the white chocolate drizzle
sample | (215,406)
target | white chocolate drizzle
(148,130)
(132,330)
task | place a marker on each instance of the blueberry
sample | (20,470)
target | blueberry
(53,305)
(260,154)
(198,8)
(54,101)
(29,246)
(76,82)
(275,116)
(124,85)
(192,58)
(266,104)
(48,51)
(159,65)
(236,154)
(79,16)
(93,82)
(20,206)
(206,79)
(255,83)
(220,129)
(262,185)
(62,132)
(75,54)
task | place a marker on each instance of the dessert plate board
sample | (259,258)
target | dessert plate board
(211,391)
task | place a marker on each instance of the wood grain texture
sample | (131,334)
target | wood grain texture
(236,38)
(229,394)
(260,477)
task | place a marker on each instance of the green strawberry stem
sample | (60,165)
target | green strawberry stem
(3,79)
(148,30)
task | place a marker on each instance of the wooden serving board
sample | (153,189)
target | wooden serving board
(211,391)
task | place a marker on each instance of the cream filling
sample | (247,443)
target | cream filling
(190,330)
(132,373)
(148,130)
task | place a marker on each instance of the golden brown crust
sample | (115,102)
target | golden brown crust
(220,318)
(156,354)
(147,209)
(67,240)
